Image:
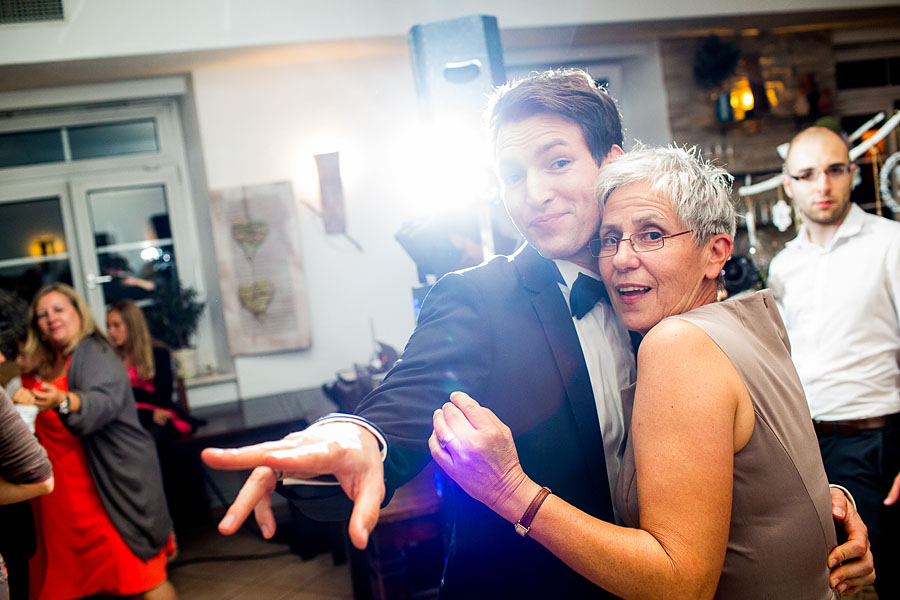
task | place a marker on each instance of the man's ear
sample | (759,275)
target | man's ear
(719,250)
(786,182)
(615,151)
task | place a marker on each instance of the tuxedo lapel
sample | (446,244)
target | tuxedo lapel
(540,276)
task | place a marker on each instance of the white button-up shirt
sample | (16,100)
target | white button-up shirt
(610,364)
(841,308)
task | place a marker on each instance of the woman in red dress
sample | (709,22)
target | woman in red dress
(105,529)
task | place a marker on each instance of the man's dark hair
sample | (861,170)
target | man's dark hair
(13,323)
(569,93)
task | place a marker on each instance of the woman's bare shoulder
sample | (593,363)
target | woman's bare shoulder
(674,335)
(679,356)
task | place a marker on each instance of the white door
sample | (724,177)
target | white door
(127,241)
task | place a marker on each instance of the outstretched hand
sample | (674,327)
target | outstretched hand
(477,450)
(347,451)
(851,563)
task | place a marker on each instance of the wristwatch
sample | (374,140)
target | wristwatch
(64,406)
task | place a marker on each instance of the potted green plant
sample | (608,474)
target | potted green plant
(173,318)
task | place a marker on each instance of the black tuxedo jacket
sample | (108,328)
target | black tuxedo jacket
(503,333)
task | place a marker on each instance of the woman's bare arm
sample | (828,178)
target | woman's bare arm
(684,440)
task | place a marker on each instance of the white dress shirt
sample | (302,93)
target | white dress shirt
(841,307)
(610,364)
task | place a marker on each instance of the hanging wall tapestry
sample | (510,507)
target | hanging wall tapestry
(257,239)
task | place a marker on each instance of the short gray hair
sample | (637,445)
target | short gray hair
(699,192)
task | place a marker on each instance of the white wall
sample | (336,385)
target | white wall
(105,28)
(264,124)
(645,112)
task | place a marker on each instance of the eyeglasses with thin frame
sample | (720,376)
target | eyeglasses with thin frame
(648,241)
(833,172)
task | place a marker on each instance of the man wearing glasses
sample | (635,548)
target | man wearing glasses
(838,287)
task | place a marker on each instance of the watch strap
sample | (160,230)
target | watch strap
(64,406)
(524,524)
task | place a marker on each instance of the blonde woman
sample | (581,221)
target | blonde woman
(105,529)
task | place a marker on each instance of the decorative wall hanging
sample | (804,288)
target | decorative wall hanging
(264,294)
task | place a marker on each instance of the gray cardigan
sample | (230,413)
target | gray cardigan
(120,453)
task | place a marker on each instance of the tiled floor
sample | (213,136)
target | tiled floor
(275,578)
(284,577)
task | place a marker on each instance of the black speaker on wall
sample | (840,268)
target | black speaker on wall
(456,63)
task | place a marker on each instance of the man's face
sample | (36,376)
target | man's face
(547,176)
(822,197)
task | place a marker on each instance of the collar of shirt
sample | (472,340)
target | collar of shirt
(851,226)
(840,310)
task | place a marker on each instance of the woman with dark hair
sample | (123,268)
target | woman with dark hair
(149,368)
(105,529)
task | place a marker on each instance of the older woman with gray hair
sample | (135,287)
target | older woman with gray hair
(721,485)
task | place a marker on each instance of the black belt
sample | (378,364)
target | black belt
(853,426)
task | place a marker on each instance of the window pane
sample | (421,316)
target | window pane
(32,228)
(125,215)
(113,139)
(861,73)
(125,221)
(136,273)
(26,279)
(894,66)
(32,233)
(31,148)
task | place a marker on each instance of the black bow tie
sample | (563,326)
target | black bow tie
(586,292)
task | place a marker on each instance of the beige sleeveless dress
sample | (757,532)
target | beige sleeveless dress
(781,525)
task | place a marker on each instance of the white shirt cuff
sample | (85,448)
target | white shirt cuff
(846,493)
(340,418)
